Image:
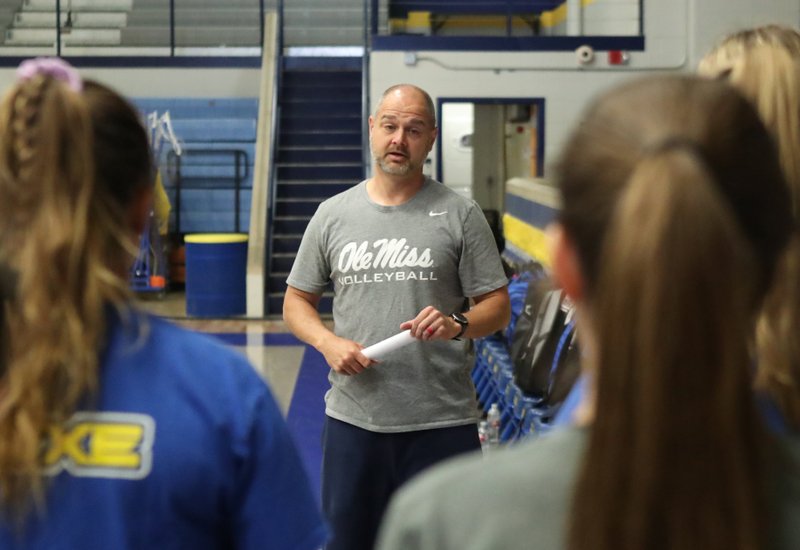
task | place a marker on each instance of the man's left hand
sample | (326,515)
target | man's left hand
(432,324)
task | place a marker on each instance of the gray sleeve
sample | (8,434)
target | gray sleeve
(480,268)
(311,269)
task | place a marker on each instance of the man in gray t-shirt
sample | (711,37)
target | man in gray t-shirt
(403,253)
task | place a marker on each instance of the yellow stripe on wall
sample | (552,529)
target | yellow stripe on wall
(527,238)
(554,17)
(558,15)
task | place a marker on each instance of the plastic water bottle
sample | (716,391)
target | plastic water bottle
(483,434)
(493,423)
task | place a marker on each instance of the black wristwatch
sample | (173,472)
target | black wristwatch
(461,320)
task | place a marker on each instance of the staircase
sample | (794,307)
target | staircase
(320,155)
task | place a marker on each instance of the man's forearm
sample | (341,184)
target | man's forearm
(303,320)
(489,315)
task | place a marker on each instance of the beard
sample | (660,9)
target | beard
(393,169)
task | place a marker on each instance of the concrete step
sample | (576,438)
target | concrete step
(193,36)
(240,36)
(84,20)
(237,16)
(323,3)
(78,37)
(79,5)
(184,17)
(204,4)
(324,16)
(269,4)
(324,36)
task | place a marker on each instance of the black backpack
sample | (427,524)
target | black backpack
(566,365)
(544,328)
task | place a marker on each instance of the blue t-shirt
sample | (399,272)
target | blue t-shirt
(185,447)
(770,412)
(566,412)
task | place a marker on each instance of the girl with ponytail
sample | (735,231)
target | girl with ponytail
(668,249)
(764,63)
(117,429)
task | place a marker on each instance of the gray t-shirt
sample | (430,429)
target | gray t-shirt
(387,263)
(521,498)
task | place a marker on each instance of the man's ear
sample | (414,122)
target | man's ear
(566,266)
(434,135)
(139,209)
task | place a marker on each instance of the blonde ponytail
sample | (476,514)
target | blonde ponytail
(778,374)
(764,64)
(769,76)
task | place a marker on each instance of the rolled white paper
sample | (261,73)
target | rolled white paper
(379,350)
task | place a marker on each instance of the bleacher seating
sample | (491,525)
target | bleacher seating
(198,23)
(83,22)
(520,416)
(235,23)
(8,9)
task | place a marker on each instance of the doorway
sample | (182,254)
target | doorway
(483,142)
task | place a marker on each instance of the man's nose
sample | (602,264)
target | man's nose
(399,136)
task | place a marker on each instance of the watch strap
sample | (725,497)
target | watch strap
(462,321)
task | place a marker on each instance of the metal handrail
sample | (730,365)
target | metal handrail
(240,173)
(365,92)
(172,28)
(58,28)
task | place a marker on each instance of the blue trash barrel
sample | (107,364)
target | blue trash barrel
(216,266)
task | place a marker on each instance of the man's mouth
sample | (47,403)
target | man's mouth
(395,155)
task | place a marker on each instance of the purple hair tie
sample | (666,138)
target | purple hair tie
(50,66)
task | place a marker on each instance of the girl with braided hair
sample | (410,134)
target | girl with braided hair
(117,429)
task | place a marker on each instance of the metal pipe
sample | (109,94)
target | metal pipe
(280,31)
(261,20)
(365,156)
(172,28)
(58,28)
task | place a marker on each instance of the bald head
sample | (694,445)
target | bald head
(413,90)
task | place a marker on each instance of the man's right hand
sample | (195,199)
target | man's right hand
(344,356)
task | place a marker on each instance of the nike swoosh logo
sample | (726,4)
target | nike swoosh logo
(432,213)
